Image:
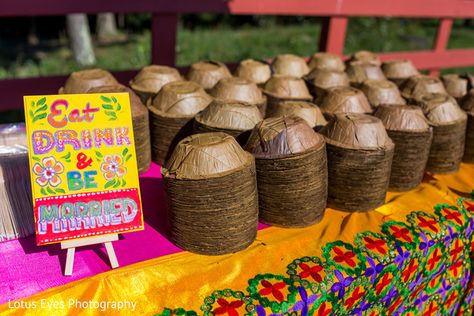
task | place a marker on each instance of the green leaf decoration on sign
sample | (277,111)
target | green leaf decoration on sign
(128,157)
(119,107)
(108,106)
(31,113)
(117,184)
(35,158)
(124,152)
(98,154)
(39,117)
(32,104)
(109,184)
(41,101)
(59,190)
(50,191)
(67,156)
(41,109)
(114,99)
(105,99)
(43,191)
(124,182)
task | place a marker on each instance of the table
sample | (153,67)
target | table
(409,256)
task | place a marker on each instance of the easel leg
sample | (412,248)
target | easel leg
(69,261)
(111,253)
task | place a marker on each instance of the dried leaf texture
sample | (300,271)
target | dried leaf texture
(340,100)
(83,80)
(308,111)
(441,109)
(287,87)
(206,155)
(417,86)
(207,73)
(381,92)
(254,71)
(152,78)
(365,56)
(358,72)
(398,117)
(290,65)
(399,69)
(455,85)
(326,61)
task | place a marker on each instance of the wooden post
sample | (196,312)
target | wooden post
(73,244)
(163,39)
(333,34)
(442,39)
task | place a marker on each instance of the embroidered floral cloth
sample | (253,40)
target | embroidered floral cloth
(410,257)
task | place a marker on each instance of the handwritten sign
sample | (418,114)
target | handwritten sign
(83,167)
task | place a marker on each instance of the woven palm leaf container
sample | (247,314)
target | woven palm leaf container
(359,160)
(381,92)
(409,130)
(234,118)
(83,80)
(284,88)
(290,65)
(340,100)
(172,113)
(326,61)
(16,211)
(207,73)
(241,90)
(365,56)
(308,111)
(320,80)
(455,85)
(140,123)
(211,190)
(149,81)
(467,105)
(416,87)
(255,71)
(358,72)
(399,70)
(291,171)
(449,132)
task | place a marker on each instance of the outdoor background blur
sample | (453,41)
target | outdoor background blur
(40,46)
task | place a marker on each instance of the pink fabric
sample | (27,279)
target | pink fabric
(26,269)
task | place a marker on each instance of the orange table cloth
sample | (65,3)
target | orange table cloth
(411,256)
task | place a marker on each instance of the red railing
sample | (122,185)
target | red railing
(165,18)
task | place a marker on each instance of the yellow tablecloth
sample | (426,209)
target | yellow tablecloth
(323,268)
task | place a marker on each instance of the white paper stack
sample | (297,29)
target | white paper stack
(16,211)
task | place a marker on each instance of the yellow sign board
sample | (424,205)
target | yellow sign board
(83,166)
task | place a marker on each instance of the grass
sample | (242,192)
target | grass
(229,45)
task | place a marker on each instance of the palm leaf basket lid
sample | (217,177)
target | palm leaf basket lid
(381,92)
(207,155)
(179,99)
(340,100)
(153,77)
(455,85)
(319,80)
(238,89)
(308,111)
(401,117)
(365,56)
(358,72)
(281,87)
(291,169)
(254,71)
(83,80)
(398,70)
(290,65)
(326,61)
(467,102)
(230,115)
(283,136)
(416,86)
(357,131)
(441,109)
(207,73)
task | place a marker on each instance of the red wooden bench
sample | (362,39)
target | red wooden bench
(165,17)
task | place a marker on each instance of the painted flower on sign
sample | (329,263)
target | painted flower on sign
(112,166)
(48,172)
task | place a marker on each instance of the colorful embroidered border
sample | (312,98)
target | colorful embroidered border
(420,267)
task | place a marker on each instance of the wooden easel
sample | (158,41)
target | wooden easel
(73,244)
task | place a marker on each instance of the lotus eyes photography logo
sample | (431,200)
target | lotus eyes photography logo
(76,304)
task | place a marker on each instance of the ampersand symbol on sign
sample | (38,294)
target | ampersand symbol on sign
(83,161)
